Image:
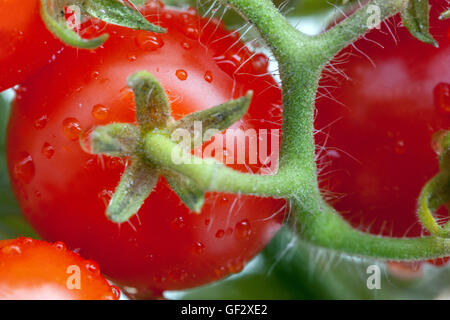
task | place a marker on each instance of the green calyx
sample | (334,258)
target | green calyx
(152,151)
(110,11)
(416,18)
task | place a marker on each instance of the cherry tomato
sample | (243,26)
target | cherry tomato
(375,129)
(26,45)
(64,190)
(38,270)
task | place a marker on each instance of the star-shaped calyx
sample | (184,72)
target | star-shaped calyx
(153,114)
(53,13)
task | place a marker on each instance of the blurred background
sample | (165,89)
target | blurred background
(287,268)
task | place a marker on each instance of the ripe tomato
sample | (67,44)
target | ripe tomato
(26,45)
(377,128)
(63,190)
(38,270)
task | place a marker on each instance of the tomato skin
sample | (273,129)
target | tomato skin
(64,194)
(378,128)
(25,43)
(38,270)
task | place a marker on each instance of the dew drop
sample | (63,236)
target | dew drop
(208,76)
(12,249)
(198,248)
(71,128)
(220,272)
(131,57)
(400,147)
(93,267)
(41,122)
(177,223)
(186,45)
(116,292)
(60,246)
(100,112)
(236,266)
(26,241)
(207,222)
(149,41)
(220,233)
(260,63)
(243,229)
(181,74)
(191,32)
(24,168)
(442,97)
(95,75)
(47,150)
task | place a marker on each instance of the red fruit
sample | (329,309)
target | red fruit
(38,270)
(165,246)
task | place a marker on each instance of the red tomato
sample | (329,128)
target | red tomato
(25,43)
(376,131)
(64,191)
(37,270)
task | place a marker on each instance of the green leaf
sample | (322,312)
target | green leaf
(417,19)
(136,184)
(445,15)
(116,140)
(115,12)
(217,118)
(188,191)
(152,105)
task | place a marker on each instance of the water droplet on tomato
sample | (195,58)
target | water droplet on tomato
(198,248)
(181,74)
(47,150)
(177,223)
(186,45)
(207,222)
(242,229)
(149,41)
(60,246)
(400,147)
(191,32)
(24,168)
(229,231)
(41,122)
(93,267)
(11,250)
(235,266)
(442,97)
(220,233)
(220,272)
(116,292)
(208,76)
(71,128)
(100,112)
(95,75)
(260,63)
(26,240)
(131,57)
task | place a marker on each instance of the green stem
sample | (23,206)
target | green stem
(301,60)
(326,228)
(209,174)
(352,28)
